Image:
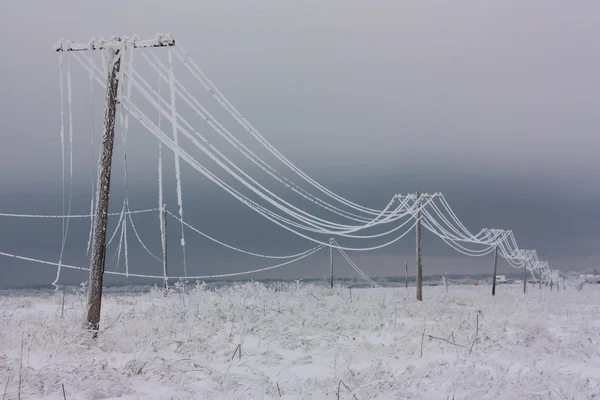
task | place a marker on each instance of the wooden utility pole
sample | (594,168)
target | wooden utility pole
(495,269)
(164,248)
(331,261)
(101,217)
(114,48)
(419,263)
(406,275)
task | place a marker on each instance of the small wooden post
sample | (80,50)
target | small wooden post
(62,309)
(495,270)
(524,278)
(419,264)
(406,275)
(164,248)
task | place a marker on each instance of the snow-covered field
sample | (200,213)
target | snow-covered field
(251,342)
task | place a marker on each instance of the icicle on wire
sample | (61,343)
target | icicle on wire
(70,103)
(177,154)
(124,120)
(161,205)
(62,151)
(93,158)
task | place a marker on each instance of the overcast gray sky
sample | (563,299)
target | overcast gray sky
(495,104)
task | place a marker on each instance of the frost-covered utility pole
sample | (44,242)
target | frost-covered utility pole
(495,269)
(331,261)
(164,247)
(419,263)
(114,49)
(103,190)
(418,197)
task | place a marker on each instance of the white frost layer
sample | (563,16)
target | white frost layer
(305,340)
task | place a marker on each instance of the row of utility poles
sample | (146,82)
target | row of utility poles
(115,49)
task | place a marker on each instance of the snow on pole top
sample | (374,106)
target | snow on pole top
(116,42)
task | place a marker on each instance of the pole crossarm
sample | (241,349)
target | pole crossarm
(116,43)
(413,196)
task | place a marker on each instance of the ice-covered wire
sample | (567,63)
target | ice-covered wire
(157,65)
(257,188)
(489,238)
(460,235)
(233,247)
(456,245)
(210,121)
(184,156)
(238,173)
(137,235)
(161,277)
(353,265)
(467,235)
(118,226)
(433,226)
(517,258)
(43,216)
(192,162)
(203,79)
(152,128)
(456,234)
(453,216)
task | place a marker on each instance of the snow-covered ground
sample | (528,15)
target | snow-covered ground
(251,342)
